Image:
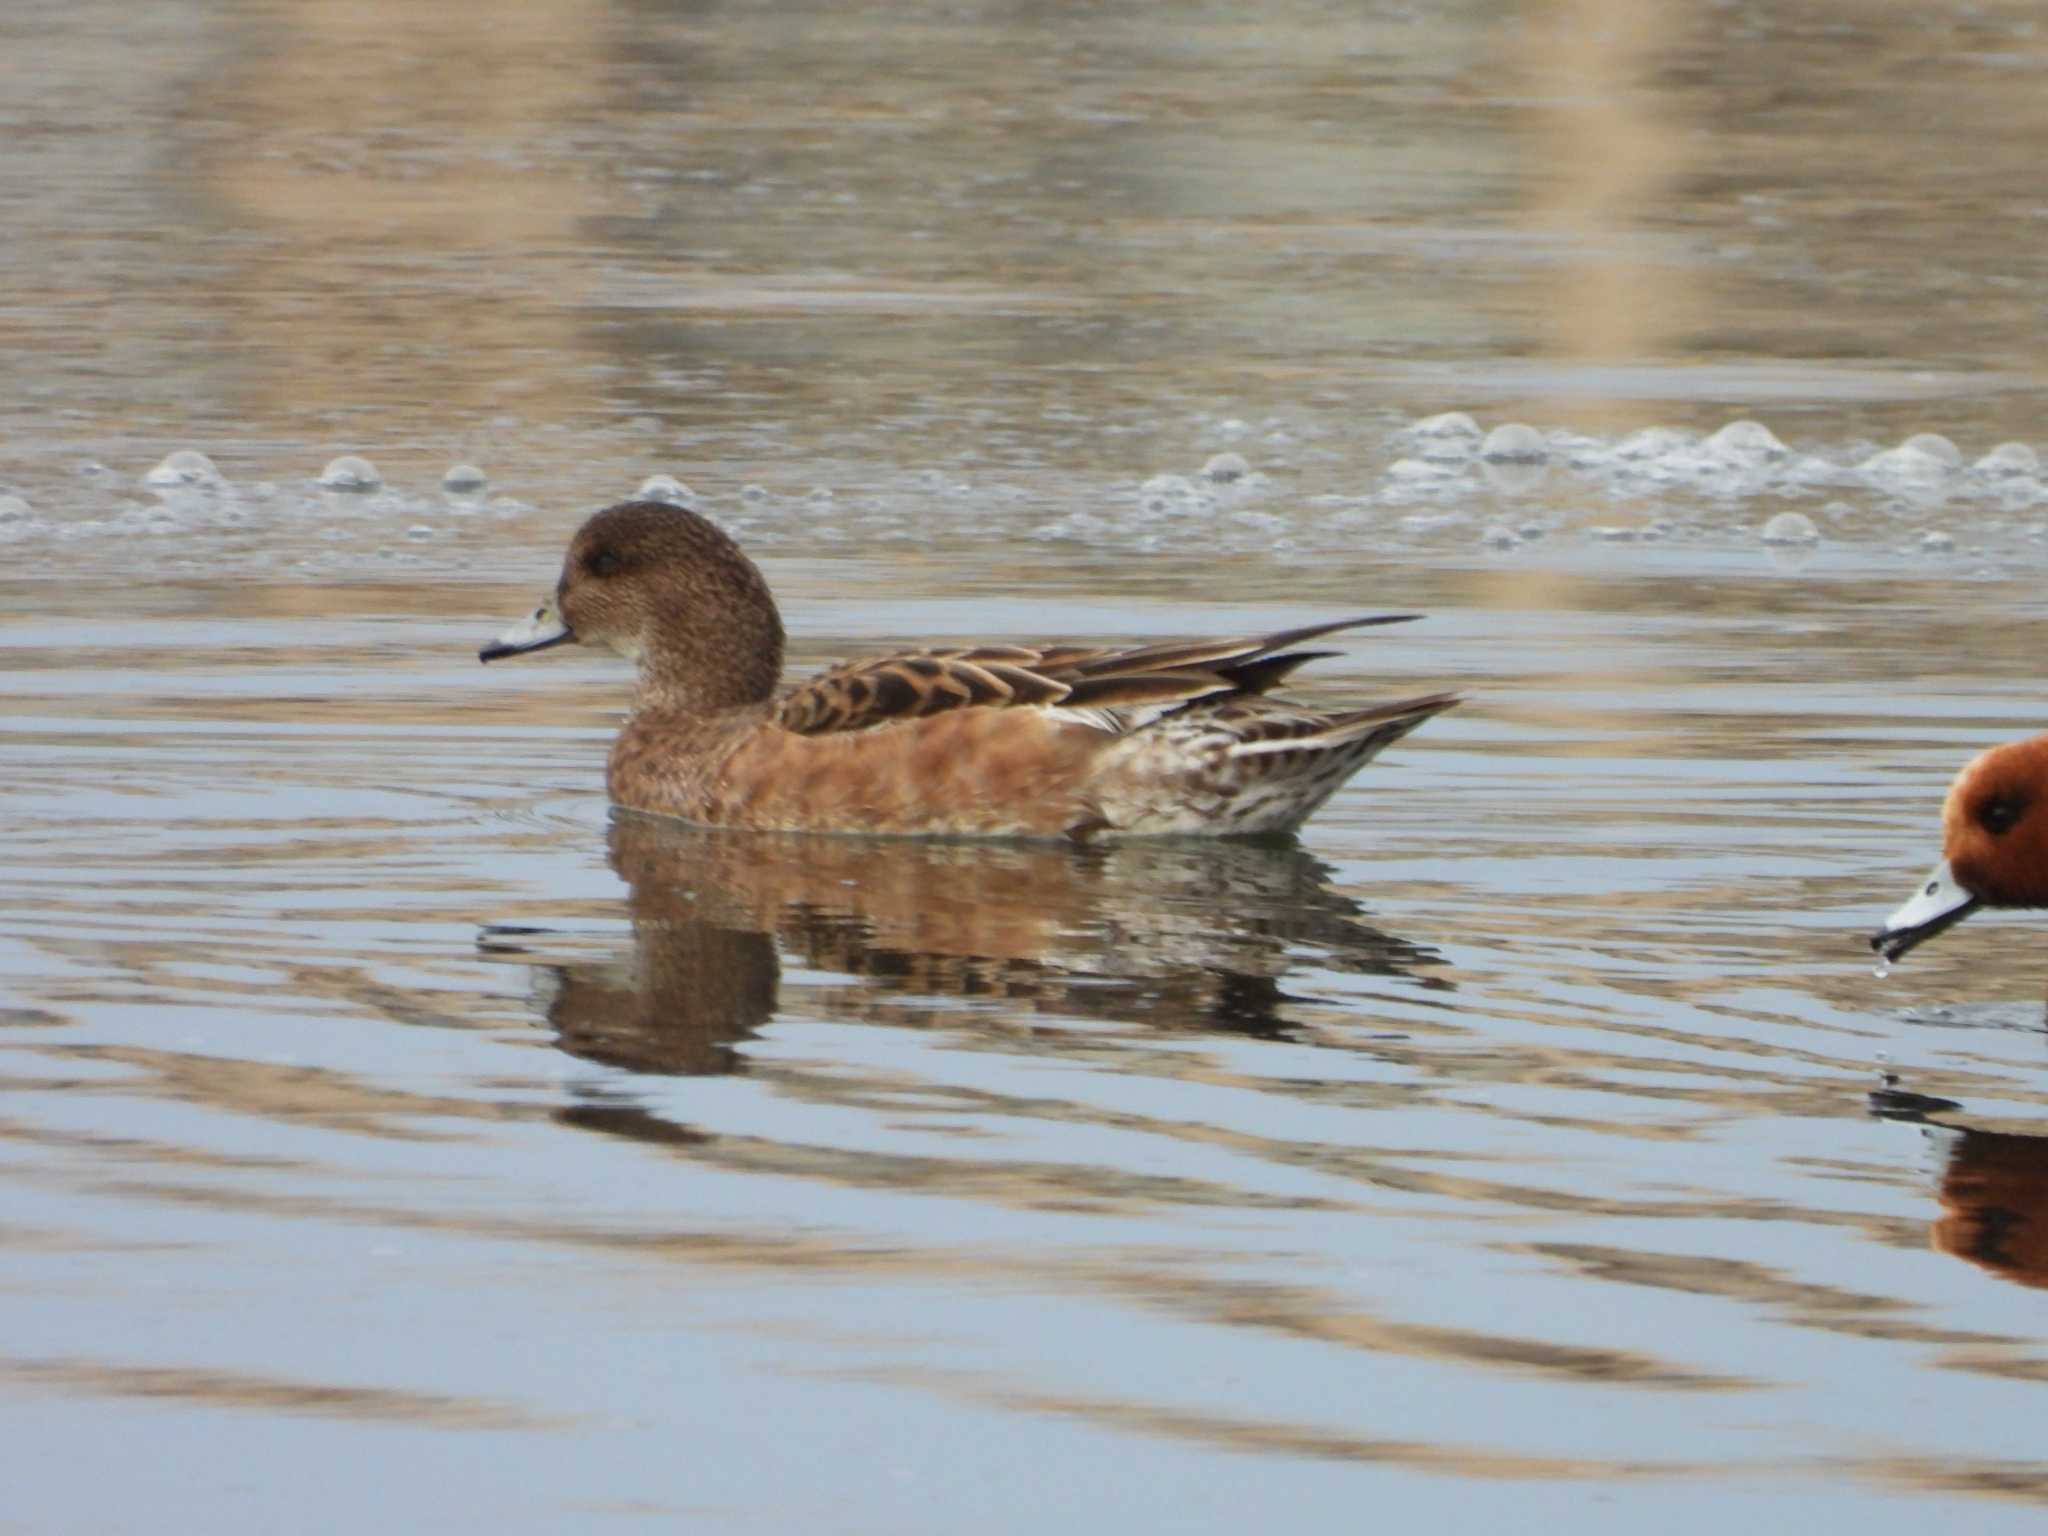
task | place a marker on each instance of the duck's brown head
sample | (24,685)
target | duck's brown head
(1994,825)
(1994,846)
(666,588)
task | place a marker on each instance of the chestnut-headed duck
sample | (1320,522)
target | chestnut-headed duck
(1051,740)
(1994,847)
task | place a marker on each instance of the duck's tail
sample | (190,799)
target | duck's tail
(1247,766)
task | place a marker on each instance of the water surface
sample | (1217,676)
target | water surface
(389,1127)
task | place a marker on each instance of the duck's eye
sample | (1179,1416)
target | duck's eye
(602,563)
(2000,813)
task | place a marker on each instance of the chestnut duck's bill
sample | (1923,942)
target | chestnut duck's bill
(1994,847)
(1049,740)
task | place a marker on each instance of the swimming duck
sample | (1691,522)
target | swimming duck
(1994,847)
(1054,740)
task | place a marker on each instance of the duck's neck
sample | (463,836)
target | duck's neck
(700,669)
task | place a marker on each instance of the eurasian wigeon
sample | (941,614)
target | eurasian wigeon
(1994,847)
(1048,740)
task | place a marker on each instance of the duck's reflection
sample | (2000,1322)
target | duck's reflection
(1188,936)
(1993,1187)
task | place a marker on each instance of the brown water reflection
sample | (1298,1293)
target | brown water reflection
(1177,936)
(1993,1186)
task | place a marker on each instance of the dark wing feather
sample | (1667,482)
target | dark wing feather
(865,693)
(908,686)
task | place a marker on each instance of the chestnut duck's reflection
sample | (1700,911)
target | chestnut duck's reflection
(1993,1186)
(1180,935)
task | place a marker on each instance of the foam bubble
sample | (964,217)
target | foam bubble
(1416,469)
(13,509)
(664,488)
(1651,443)
(187,466)
(753,493)
(1747,442)
(350,472)
(464,480)
(1937,541)
(2009,459)
(1935,446)
(1499,536)
(1790,559)
(1512,477)
(1791,528)
(1222,468)
(1447,424)
(1451,437)
(1904,466)
(1513,443)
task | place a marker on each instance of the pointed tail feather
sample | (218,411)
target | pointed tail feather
(1340,730)
(1235,651)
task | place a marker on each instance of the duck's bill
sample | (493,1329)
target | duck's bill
(536,632)
(1939,903)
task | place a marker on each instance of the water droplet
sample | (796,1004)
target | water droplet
(1883,969)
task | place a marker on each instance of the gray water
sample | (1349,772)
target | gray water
(391,1134)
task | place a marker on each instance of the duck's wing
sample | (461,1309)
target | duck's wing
(1112,687)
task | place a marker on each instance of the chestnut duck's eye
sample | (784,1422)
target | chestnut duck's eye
(602,563)
(1999,813)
